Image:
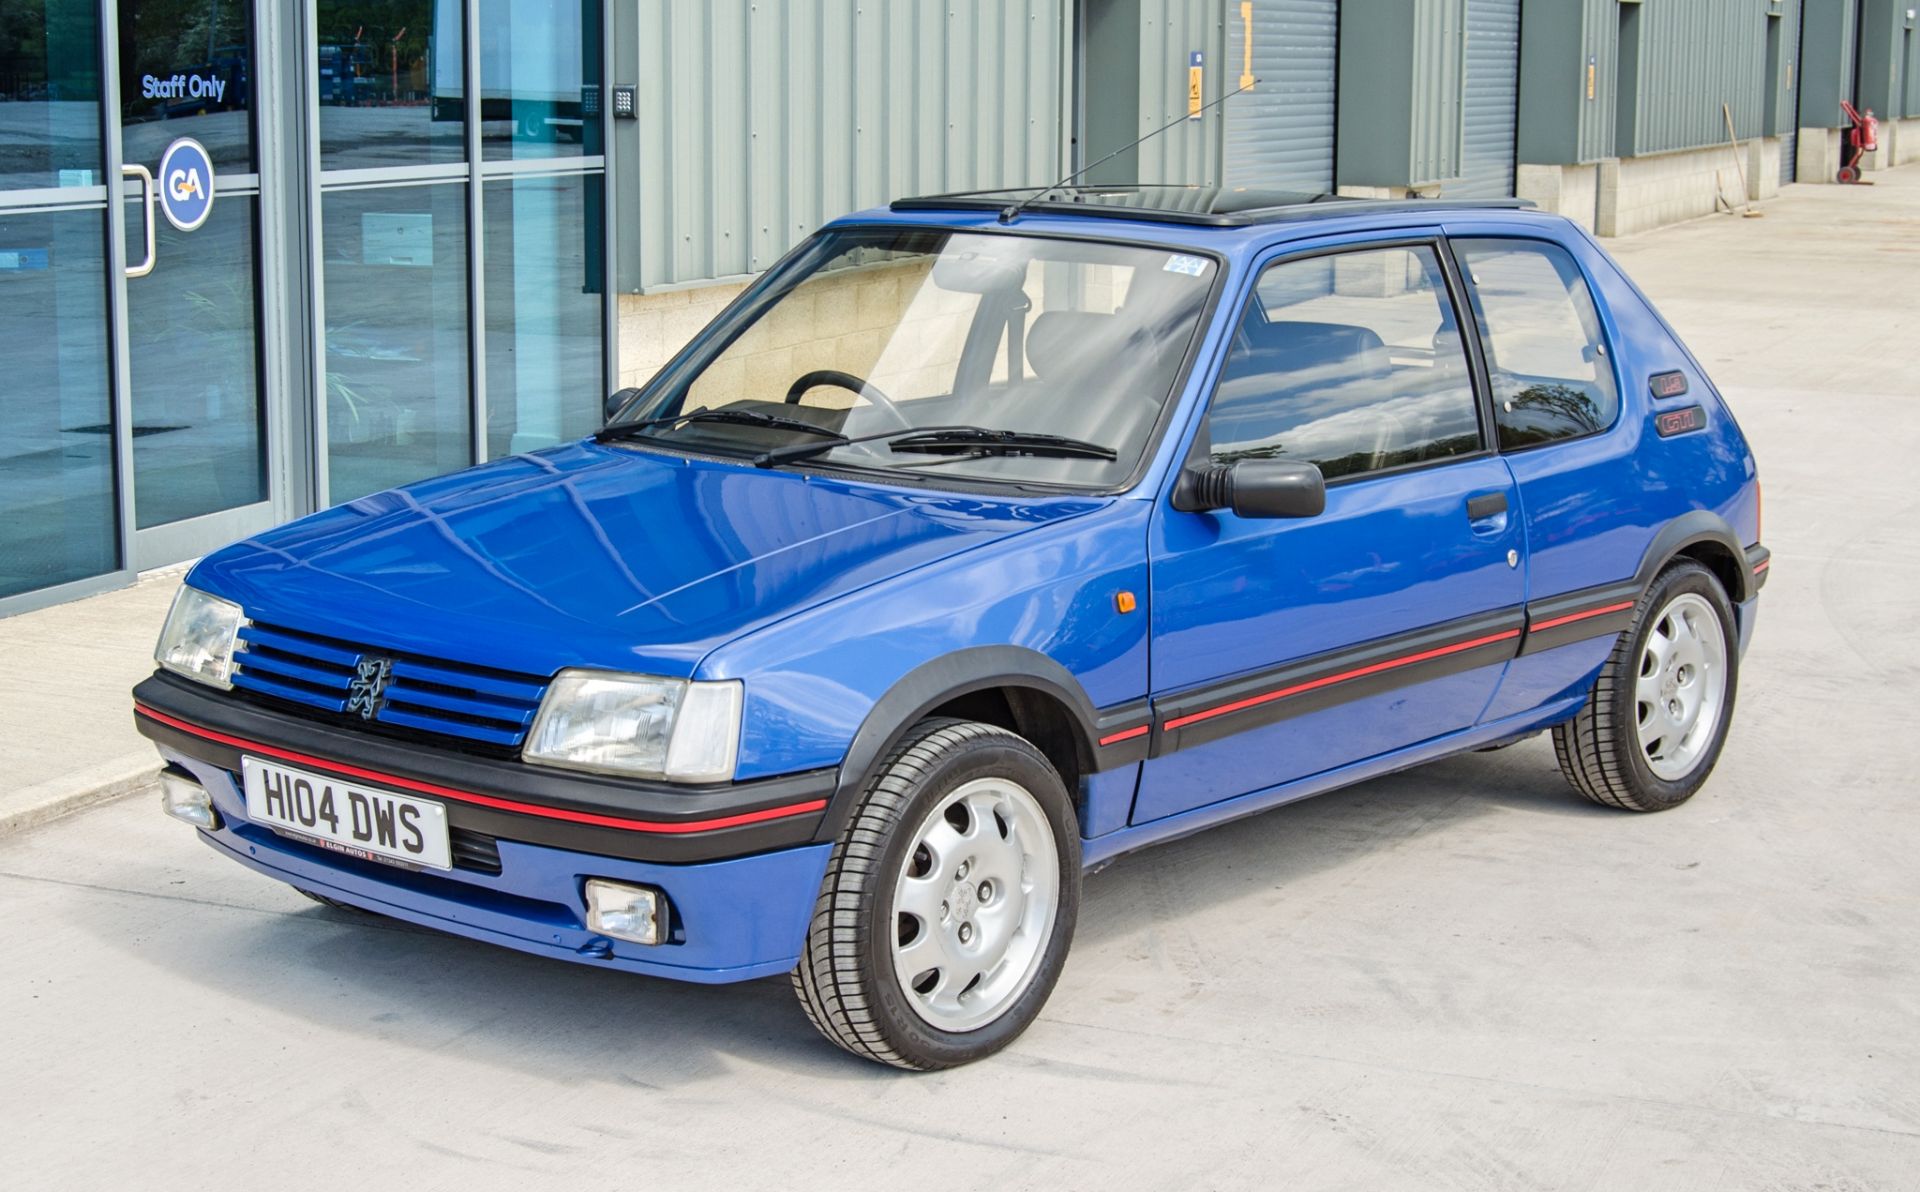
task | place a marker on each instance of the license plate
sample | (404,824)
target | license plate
(361,821)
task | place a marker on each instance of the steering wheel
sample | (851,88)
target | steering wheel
(846,380)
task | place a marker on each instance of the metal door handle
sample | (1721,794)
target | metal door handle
(145,177)
(1486,505)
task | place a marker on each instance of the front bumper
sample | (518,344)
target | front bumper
(732,920)
(738,863)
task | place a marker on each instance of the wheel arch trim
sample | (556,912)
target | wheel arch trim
(1699,527)
(941,680)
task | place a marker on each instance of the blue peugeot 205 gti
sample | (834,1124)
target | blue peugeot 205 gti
(985,538)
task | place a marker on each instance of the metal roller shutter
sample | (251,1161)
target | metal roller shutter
(1279,136)
(1492,93)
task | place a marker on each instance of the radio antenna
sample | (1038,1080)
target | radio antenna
(1008,215)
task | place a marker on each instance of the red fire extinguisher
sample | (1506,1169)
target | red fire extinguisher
(1863,137)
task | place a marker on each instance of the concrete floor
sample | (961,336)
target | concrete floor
(1458,978)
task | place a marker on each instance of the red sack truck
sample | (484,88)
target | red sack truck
(1863,137)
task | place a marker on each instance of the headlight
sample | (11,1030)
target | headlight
(197,640)
(634,724)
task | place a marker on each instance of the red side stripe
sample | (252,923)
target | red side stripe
(1329,680)
(1126,735)
(1570,618)
(1762,565)
(445,792)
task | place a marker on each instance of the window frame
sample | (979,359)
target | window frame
(1200,453)
(1601,324)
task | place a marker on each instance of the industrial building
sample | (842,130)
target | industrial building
(445,228)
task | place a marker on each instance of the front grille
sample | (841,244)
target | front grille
(428,695)
(475,852)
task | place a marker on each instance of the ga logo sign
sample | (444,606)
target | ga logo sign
(186,184)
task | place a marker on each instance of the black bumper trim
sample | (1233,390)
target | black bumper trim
(645,821)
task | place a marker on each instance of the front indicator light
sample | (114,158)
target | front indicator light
(183,798)
(634,913)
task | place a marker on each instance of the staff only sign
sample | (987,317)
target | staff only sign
(186,184)
(184,86)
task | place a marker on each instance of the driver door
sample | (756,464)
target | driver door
(1283,649)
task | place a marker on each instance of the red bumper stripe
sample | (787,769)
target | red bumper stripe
(446,792)
(1126,735)
(1762,565)
(1330,680)
(1570,618)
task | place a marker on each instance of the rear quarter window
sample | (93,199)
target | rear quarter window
(1548,361)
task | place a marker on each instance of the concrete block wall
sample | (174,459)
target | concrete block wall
(1639,193)
(1564,190)
(1904,140)
(1818,156)
(1763,167)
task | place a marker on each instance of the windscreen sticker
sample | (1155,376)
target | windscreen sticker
(1191,266)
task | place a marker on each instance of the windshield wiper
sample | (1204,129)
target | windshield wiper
(739,417)
(947,440)
(969,440)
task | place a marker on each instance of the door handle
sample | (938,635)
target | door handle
(1485,506)
(145,178)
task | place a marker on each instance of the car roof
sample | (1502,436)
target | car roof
(1229,223)
(1203,206)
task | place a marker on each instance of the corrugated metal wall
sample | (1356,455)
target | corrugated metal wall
(760,121)
(1439,65)
(1784,80)
(1600,33)
(1280,135)
(1694,57)
(1169,31)
(1491,93)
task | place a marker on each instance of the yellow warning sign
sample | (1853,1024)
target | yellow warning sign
(1196,72)
(1246,45)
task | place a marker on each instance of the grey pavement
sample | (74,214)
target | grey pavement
(66,724)
(1460,977)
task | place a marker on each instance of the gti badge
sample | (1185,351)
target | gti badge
(367,693)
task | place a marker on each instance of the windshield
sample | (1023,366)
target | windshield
(913,342)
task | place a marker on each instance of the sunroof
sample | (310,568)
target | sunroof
(1208,205)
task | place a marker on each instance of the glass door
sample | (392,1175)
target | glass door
(59,514)
(195,368)
(460,176)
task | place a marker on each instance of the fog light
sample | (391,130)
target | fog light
(183,798)
(626,912)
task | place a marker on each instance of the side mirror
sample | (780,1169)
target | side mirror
(1253,488)
(617,399)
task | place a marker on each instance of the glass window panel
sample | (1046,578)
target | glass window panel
(540,78)
(197,430)
(396,335)
(392,76)
(186,71)
(56,456)
(545,334)
(1353,363)
(50,94)
(1545,355)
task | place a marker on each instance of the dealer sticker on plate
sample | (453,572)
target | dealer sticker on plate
(360,821)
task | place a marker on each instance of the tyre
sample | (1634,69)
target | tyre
(949,902)
(1653,727)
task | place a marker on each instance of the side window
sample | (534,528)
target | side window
(1545,354)
(1352,362)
